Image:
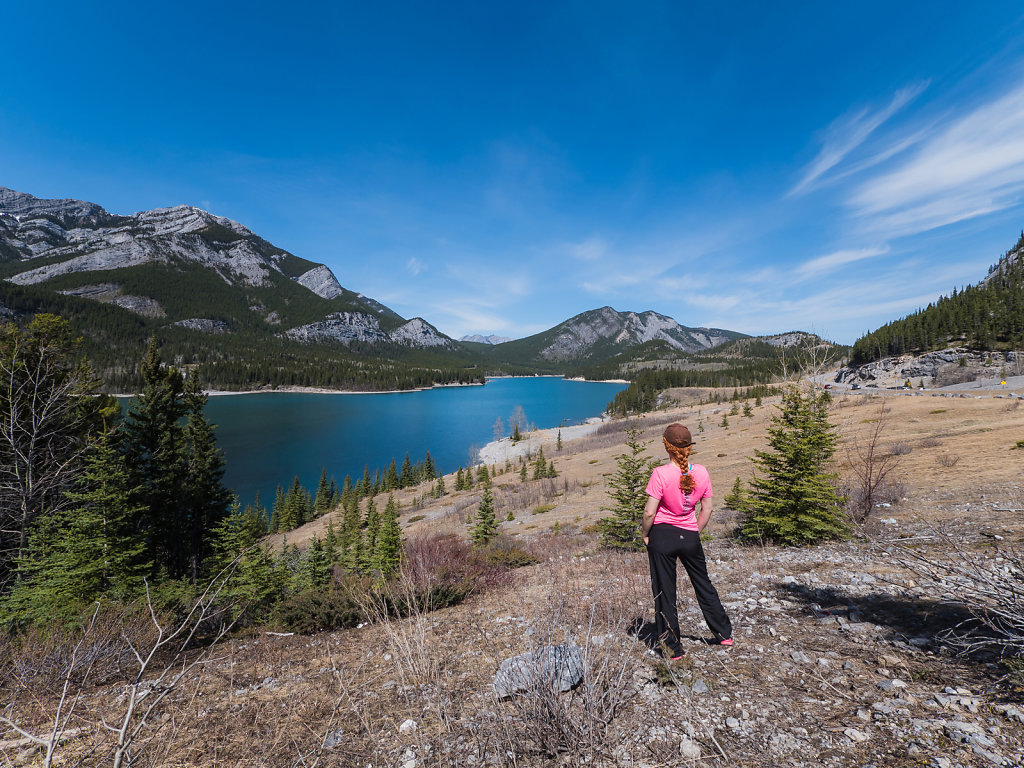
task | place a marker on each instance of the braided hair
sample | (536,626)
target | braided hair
(681,457)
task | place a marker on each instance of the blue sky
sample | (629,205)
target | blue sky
(499,167)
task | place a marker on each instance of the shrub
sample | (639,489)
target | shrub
(316,610)
(542,509)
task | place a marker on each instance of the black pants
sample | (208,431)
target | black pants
(668,542)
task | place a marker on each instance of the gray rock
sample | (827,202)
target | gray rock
(334,739)
(407,727)
(689,749)
(800,657)
(557,667)
(854,735)
(699,687)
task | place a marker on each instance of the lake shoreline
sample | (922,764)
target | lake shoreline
(326,391)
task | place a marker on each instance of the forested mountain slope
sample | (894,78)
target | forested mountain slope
(986,316)
(218,296)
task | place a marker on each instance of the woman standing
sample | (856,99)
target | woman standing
(672,530)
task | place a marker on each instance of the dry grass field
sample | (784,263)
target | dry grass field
(842,656)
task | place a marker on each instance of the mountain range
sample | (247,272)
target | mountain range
(207,281)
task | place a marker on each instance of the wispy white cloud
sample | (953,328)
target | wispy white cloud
(831,261)
(970,167)
(847,133)
(415,266)
(591,249)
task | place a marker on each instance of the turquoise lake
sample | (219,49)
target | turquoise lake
(269,438)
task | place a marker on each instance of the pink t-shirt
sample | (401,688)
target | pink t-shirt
(674,507)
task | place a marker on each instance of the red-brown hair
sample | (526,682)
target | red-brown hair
(681,456)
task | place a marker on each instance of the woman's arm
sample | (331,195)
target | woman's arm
(650,510)
(705,513)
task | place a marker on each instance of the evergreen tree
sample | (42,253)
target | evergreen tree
(369,487)
(748,412)
(48,412)
(255,581)
(156,453)
(316,566)
(551,471)
(441,491)
(391,480)
(794,502)
(276,511)
(407,477)
(331,544)
(483,477)
(429,470)
(459,480)
(207,500)
(725,421)
(522,472)
(87,552)
(352,536)
(540,466)
(558,443)
(388,549)
(622,529)
(486,526)
(322,501)
(736,498)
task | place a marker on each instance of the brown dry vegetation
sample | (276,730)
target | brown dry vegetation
(840,656)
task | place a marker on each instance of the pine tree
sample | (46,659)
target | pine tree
(736,499)
(391,480)
(48,412)
(429,470)
(551,471)
(90,551)
(207,499)
(276,511)
(441,491)
(725,421)
(794,502)
(540,466)
(483,477)
(351,536)
(522,472)
(622,529)
(459,480)
(331,543)
(388,550)
(558,443)
(322,501)
(748,412)
(407,478)
(176,466)
(485,527)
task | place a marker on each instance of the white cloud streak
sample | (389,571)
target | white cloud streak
(832,261)
(847,133)
(970,167)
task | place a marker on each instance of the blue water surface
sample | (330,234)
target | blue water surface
(269,438)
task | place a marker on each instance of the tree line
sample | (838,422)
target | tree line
(987,316)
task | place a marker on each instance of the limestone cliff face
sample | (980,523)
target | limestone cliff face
(47,239)
(579,336)
(346,327)
(419,333)
(75,236)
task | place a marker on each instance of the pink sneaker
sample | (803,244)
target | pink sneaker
(727,642)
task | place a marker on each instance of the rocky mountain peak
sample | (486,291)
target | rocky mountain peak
(22,204)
